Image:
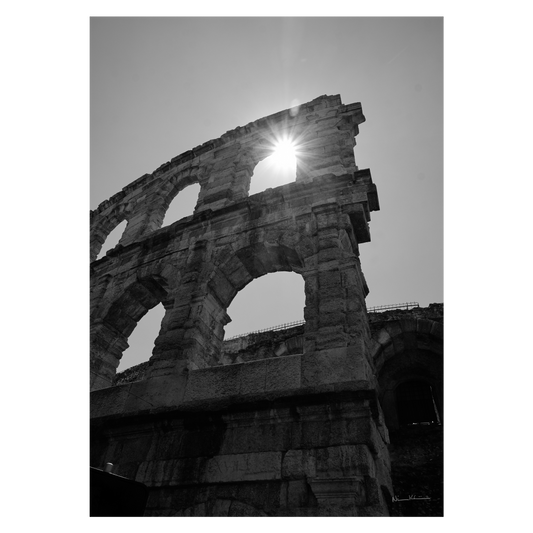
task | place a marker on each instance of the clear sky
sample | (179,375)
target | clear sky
(161,86)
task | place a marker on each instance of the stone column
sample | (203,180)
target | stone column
(337,340)
(107,346)
(192,332)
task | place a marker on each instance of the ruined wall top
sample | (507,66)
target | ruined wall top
(196,266)
(324,130)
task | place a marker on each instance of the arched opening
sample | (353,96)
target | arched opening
(141,341)
(414,354)
(112,239)
(273,171)
(110,333)
(267,302)
(415,403)
(183,204)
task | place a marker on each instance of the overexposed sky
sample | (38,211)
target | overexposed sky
(161,86)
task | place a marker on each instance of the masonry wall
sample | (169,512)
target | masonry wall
(324,129)
(300,433)
(416,451)
(302,455)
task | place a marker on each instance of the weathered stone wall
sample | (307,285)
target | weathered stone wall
(416,452)
(196,267)
(263,345)
(408,345)
(302,455)
(279,343)
(283,428)
(324,128)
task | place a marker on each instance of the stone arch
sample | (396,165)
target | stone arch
(103,225)
(239,268)
(265,147)
(251,262)
(235,271)
(170,190)
(110,332)
(270,174)
(403,350)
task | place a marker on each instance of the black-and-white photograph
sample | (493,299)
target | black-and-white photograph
(266,240)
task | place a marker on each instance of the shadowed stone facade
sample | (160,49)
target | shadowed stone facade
(292,430)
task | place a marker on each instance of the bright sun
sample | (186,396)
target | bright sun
(285,154)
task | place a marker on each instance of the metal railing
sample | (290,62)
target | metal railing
(375,309)
(287,325)
(390,307)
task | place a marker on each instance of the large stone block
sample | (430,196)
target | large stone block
(242,467)
(339,496)
(344,461)
(283,373)
(253,377)
(216,382)
(299,464)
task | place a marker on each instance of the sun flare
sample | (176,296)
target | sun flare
(285,154)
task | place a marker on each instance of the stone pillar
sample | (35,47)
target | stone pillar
(171,344)
(193,328)
(338,336)
(107,346)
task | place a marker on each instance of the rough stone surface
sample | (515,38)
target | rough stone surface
(270,456)
(196,266)
(291,423)
(280,343)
